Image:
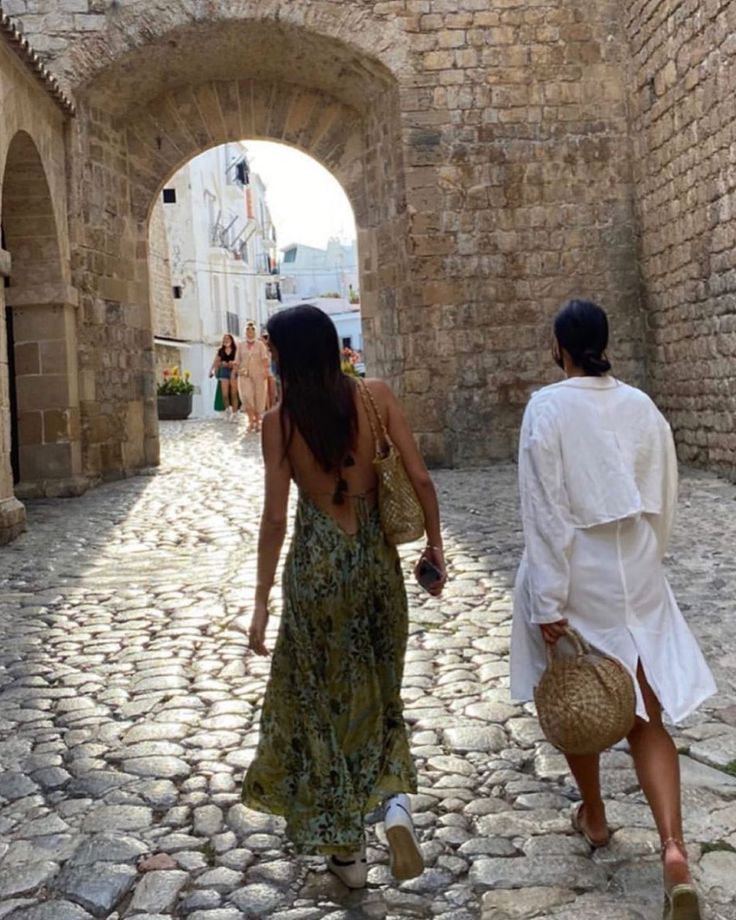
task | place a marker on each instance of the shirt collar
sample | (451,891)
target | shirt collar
(591,383)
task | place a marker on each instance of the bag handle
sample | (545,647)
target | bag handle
(581,646)
(371,410)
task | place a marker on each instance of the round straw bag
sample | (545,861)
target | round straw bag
(586,701)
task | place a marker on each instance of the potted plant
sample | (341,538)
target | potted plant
(175,395)
(348,360)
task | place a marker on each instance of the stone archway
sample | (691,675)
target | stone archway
(178,126)
(43,320)
(312,91)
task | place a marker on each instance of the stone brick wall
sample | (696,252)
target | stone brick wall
(487,152)
(159,271)
(684,128)
(117,379)
(34,284)
(519,188)
(166,357)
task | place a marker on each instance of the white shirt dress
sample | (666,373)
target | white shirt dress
(598,484)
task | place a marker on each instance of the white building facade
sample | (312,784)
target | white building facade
(328,278)
(308,272)
(222,261)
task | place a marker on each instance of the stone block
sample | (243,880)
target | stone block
(53,356)
(12,519)
(45,461)
(27,360)
(55,426)
(47,391)
(30,428)
(34,324)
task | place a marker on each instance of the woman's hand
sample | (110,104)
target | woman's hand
(551,632)
(434,555)
(257,630)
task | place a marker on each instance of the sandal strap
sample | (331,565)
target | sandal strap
(673,841)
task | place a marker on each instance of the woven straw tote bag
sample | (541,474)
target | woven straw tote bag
(585,702)
(402,518)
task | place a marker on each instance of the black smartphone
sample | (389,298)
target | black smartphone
(428,574)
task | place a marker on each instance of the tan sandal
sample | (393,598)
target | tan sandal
(577,825)
(681,899)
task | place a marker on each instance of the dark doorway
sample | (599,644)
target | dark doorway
(14,453)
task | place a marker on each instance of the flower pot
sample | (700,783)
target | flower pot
(175,407)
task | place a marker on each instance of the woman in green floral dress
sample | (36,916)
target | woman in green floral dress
(333,742)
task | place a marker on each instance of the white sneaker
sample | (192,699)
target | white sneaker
(406,857)
(351,870)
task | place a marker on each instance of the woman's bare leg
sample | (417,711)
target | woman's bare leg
(586,770)
(225,390)
(658,770)
(234,394)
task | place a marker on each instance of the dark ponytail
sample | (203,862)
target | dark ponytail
(581,328)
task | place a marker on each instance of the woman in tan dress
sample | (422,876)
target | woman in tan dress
(253,366)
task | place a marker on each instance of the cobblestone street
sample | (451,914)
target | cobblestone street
(128,712)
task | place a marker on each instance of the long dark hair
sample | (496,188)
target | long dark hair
(317,397)
(581,328)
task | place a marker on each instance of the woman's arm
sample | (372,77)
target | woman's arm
(216,364)
(266,358)
(416,469)
(664,521)
(545,516)
(273,525)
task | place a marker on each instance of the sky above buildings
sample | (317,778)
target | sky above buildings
(308,205)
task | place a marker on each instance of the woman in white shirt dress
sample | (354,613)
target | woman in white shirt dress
(598,483)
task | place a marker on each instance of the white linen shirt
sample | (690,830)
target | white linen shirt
(598,481)
(618,457)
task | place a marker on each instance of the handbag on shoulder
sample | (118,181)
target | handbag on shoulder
(402,517)
(585,702)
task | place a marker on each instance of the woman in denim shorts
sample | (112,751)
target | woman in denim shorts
(224,368)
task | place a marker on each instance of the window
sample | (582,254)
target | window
(233,323)
(169,196)
(347,342)
(241,172)
(290,255)
(177,292)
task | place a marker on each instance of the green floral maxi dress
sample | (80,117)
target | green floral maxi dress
(333,743)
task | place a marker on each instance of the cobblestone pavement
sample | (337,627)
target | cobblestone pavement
(128,711)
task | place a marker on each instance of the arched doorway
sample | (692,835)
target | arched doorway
(215,237)
(329,131)
(205,86)
(41,329)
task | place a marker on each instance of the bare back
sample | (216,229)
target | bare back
(319,487)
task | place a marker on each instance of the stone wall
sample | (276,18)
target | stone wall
(159,271)
(486,149)
(684,129)
(117,378)
(167,356)
(519,188)
(34,285)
